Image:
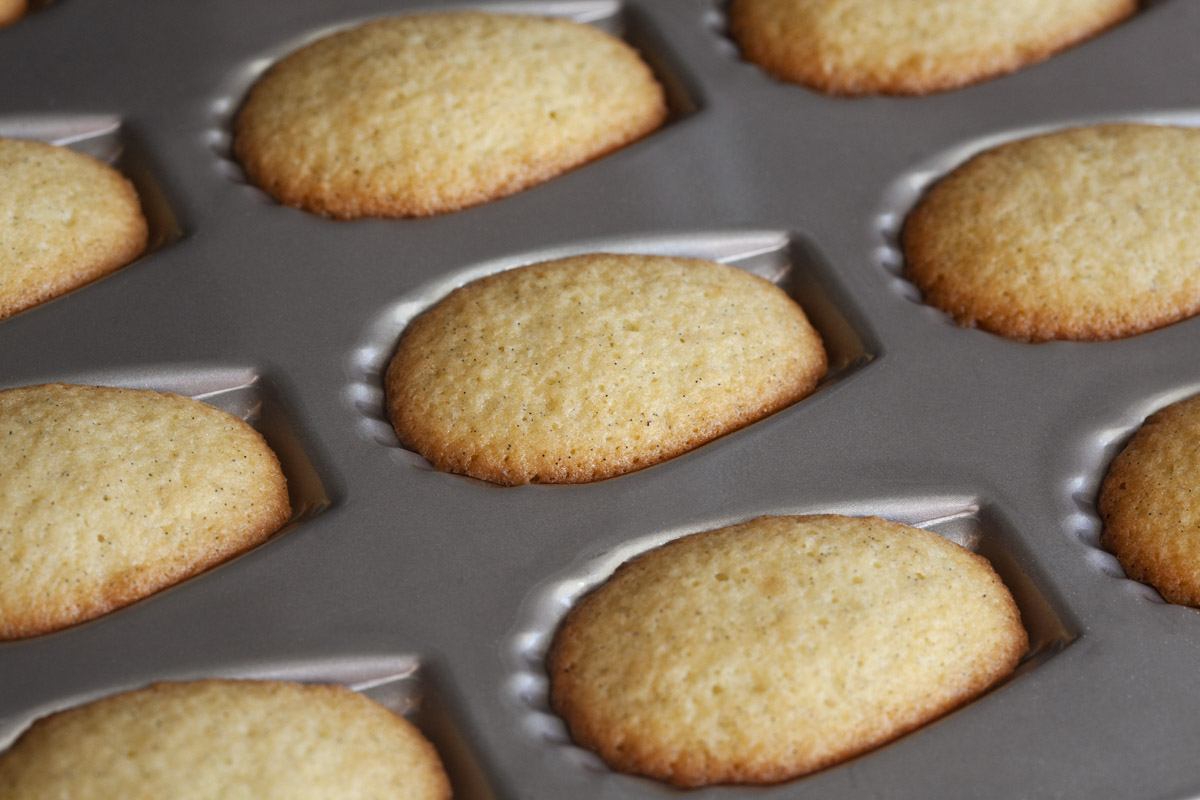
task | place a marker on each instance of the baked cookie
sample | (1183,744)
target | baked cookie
(1085,233)
(910,47)
(1150,503)
(429,113)
(108,495)
(65,220)
(766,650)
(592,366)
(225,740)
(11,11)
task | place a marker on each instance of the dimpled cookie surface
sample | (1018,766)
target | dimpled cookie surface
(107,495)
(853,47)
(225,740)
(429,113)
(1150,503)
(1085,233)
(591,366)
(766,650)
(65,220)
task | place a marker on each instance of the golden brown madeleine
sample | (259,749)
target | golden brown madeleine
(65,220)
(428,113)
(910,47)
(1150,503)
(108,495)
(592,366)
(224,740)
(766,650)
(1085,233)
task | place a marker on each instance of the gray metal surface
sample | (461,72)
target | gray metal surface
(437,593)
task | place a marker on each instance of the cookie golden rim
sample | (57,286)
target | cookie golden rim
(411,176)
(11,11)
(773,35)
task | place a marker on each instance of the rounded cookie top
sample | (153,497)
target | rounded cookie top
(766,650)
(592,366)
(225,740)
(429,113)
(855,47)
(1150,503)
(65,220)
(1086,233)
(108,495)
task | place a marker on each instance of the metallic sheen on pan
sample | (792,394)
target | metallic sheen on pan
(437,593)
